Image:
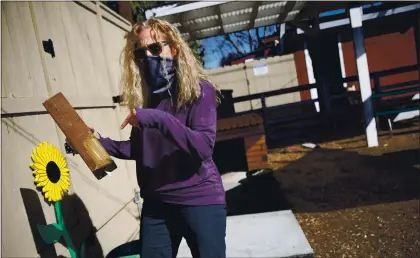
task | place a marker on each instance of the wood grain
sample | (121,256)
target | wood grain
(79,135)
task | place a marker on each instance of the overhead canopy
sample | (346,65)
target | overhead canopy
(198,20)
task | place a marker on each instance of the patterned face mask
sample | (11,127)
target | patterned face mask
(159,73)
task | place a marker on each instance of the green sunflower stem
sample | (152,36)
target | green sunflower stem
(66,234)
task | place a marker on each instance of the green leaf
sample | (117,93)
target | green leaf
(50,233)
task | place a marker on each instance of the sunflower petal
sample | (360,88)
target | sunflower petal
(60,184)
(42,183)
(59,193)
(64,185)
(34,157)
(40,178)
(64,182)
(41,152)
(64,163)
(61,162)
(53,194)
(38,157)
(57,155)
(46,188)
(38,166)
(56,193)
(40,172)
(47,194)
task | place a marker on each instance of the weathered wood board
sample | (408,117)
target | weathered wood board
(79,136)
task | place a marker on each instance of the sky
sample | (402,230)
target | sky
(212,58)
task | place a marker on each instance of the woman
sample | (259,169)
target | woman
(173,119)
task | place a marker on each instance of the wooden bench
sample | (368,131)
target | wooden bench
(249,127)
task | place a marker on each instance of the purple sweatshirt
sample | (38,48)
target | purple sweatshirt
(173,151)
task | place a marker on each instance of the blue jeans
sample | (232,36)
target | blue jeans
(164,225)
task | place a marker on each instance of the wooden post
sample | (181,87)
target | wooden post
(125,10)
(417,40)
(281,37)
(356,17)
(376,102)
(311,75)
(265,117)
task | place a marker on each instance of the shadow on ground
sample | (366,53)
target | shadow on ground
(330,179)
(344,128)
(261,193)
(76,218)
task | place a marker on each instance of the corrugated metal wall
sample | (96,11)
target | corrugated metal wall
(249,78)
(88,39)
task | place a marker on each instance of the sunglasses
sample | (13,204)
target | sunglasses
(154,48)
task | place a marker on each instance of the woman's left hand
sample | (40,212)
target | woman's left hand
(131,119)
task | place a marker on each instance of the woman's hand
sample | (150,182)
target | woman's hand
(131,119)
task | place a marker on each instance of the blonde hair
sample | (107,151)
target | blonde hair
(189,70)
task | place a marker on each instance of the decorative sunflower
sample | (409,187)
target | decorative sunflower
(50,171)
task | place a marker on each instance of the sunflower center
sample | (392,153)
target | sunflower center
(53,172)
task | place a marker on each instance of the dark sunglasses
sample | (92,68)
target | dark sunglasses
(154,48)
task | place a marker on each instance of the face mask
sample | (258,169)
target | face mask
(159,73)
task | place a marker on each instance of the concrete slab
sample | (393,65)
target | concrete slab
(270,234)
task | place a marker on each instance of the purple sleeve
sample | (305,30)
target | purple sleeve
(200,137)
(117,149)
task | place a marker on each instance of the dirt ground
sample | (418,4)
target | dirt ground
(353,201)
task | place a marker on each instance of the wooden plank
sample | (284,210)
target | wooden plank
(73,17)
(20,56)
(7,78)
(257,165)
(60,68)
(238,133)
(258,147)
(114,18)
(94,40)
(113,42)
(256,153)
(79,135)
(259,158)
(255,140)
(242,121)
(257,143)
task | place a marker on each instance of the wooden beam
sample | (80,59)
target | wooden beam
(417,40)
(219,16)
(79,135)
(238,133)
(286,9)
(254,13)
(125,10)
(356,17)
